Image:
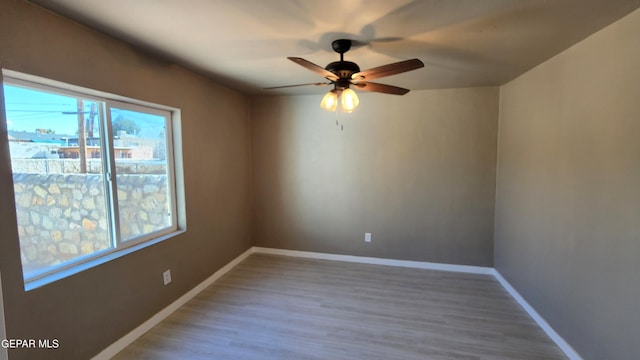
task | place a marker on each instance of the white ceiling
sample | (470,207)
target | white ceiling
(244,43)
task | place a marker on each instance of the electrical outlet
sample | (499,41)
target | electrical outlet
(166,277)
(367,237)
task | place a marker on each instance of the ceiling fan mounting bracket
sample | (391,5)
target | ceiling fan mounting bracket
(341,46)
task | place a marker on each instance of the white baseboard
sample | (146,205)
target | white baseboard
(126,340)
(562,344)
(377,261)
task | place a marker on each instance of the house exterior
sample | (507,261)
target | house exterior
(40,145)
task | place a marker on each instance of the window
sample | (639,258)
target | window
(92,174)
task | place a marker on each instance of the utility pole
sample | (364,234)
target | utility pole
(91,119)
(82,143)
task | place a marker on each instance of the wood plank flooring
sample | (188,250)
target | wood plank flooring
(276,307)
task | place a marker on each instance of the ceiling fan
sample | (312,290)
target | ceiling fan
(346,74)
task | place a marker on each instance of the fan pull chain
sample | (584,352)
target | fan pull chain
(339,117)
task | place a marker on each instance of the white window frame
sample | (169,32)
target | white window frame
(115,216)
(118,246)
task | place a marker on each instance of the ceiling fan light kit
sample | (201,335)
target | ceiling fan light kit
(349,100)
(342,74)
(330,101)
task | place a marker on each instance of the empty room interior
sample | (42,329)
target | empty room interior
(190,179)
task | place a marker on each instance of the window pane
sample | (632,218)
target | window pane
(60,197)
(140,152)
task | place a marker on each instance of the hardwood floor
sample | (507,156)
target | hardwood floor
(276,307)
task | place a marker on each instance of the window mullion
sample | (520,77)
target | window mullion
(111,172)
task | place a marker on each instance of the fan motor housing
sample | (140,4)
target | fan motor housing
(343,69)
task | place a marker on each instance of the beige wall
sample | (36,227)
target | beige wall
(417,171)
(89,311)
(568,194)
(3,351)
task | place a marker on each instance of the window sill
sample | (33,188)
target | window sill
(94,262)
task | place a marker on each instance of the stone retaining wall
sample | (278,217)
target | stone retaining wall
(64,216)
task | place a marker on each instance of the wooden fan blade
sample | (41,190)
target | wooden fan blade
(288,86)
(315,68)
(389,69)
(381,88)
